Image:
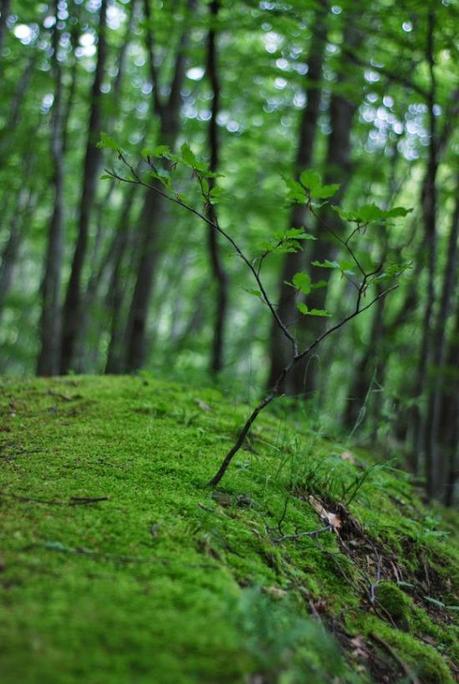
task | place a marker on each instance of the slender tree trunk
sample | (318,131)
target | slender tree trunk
(154,205)
(16,108)
(280,347)
(10,252)
(4,13)
(439,350)
(73,300)
(96,270)
(216,261)
(429,209)
(116,289)
(50,322)
(449,416)
(337,170)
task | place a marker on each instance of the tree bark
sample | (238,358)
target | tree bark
(215,255)
(4,13)
(73,301)
(280,347)
(337,170)
(50,322)
(10,252)
(429,210)
(153,209)
(437,465)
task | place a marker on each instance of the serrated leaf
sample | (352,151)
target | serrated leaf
(310,179)
(255,293)
(326,191)
(321,313)
(302,282)
(107,143)
(298,234)
(326,264)
(296,193)
(319,284)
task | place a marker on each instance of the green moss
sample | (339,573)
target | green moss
(396,603)
(158,581)
(418,657)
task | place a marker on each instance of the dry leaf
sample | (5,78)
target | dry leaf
(328,517)
(348,456)
(276,592)
(359,649)
(202,405)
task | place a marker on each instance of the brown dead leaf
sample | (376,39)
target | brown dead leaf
(275,592)
(348,456)
(222,499)
(202,405)
(328,517)
(359,648)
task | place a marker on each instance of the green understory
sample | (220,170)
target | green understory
(119,565)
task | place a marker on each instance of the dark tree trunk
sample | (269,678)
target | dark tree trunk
(95,268)
(50,322)
(429,210)
(10,252)
(434,451)
(116,289)
(337,170)
(216,261)
(4,13)
(73,301)
(280,346)
(154,205)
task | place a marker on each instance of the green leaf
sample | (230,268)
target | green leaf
(190,159)
(370,212)
(295,193)
(255,293)
(320,313)
(319,284)
(188,155)
(395,212)
(326,264)
(216,194)
(302,282)
(297,234)
(107,143)
(326,191)
(310,179)
(302,308)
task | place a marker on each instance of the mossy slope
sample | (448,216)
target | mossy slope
(119,565)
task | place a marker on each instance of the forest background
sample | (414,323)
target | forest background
(101,276)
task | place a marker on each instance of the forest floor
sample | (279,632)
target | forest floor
(119,565)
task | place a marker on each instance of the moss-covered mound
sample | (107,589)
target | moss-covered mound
(310,564)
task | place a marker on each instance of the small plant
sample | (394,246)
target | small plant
(159,166)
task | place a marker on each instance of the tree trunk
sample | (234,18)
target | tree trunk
(429,209)
(337,170)
(436,473)
(73,301)
(154,205)
(50,322)
(280,346)
(10,252)
(4,13)
(215,256)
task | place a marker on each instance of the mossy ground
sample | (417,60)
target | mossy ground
(163,581)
